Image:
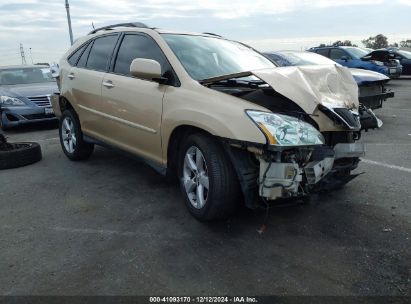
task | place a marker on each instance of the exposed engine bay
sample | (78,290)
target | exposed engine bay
(293,175)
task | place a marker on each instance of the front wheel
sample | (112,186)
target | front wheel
(207,178)
(71,137)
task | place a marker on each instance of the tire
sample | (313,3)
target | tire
(71,137)
(25,153)
(212,168)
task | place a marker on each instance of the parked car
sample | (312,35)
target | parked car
(355,57)
(372,90)
(405,59)
(228,123)
(25,95)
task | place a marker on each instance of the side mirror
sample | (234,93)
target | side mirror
(345,58)
(146,69)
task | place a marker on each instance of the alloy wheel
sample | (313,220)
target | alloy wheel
(195,177)
(68,135)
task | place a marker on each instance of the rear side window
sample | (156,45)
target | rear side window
(76,55)
(336,54)
(100,52)
(138,46)
(323,52)
(83,59)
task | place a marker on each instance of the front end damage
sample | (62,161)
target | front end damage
(291,174)
(326,98)
(273,172)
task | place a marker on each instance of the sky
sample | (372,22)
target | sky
(41,25)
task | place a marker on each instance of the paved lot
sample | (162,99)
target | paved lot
(112,226)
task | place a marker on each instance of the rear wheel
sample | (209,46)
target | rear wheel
(207,178)
(71,137)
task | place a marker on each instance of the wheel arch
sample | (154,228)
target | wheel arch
(177,135)
(64,104)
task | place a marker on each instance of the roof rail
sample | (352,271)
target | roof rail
(110,27)
(212,34)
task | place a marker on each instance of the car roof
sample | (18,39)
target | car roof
(141,27)
(334,46)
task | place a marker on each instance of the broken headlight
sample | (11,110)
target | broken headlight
(284,130)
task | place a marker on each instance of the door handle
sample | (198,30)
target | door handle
(71,76)
(108,84)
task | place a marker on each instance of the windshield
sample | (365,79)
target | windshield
(25,76)
(306,58)
(356,53)
(405,54)
(208,57)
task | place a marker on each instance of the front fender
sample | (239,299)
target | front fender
(217,113)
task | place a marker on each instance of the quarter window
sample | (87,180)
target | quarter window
(100,52)
(323,52)
(83,59)
(138,46)
(336,54)
(76,55)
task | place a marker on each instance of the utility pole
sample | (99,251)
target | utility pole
(31,56)
(23,56)
(69,21)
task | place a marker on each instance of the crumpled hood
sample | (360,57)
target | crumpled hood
(28,90)
(362,76)
(310,86)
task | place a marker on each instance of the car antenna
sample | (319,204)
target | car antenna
(92,24)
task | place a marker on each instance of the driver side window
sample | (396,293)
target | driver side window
(138,46)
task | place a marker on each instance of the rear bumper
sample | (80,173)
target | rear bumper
(16,116)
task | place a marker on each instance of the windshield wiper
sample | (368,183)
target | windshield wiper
(224,77)
(233,80)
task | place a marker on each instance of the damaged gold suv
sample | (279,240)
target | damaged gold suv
(226,122)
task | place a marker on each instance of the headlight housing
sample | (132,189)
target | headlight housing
(284,130)
(11,101)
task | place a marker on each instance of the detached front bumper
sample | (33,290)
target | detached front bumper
(15,116)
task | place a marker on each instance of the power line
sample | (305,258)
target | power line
(23,56)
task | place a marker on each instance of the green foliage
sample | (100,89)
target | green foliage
(377,42)
(406,43)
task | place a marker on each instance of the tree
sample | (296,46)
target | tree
(395,44)
(406,43)
(377,42)
(343,43)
